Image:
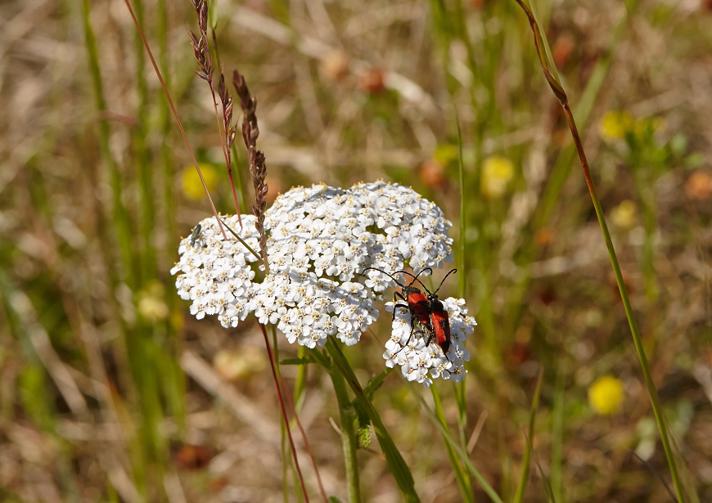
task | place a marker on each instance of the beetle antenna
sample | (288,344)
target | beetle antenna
(383,272)
(415,276)
(443,280)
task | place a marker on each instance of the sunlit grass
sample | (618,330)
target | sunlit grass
(94,338)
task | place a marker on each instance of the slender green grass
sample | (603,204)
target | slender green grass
(349,442)
(167,160)
(463,282)
(524,478)
(142,158)
(563,165)
(175,384)
(464,483)
(120,216)
(550,73)
(557,437)
(461,453)
(396,464)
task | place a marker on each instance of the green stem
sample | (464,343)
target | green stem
(122,225)
(463,480)
(519,495)
(562,167)
(282,406)
(462,453)
(300,380)
(557,88)
(349,442)
(395,461)
(647,201)
(169,219)
(557,437)
(145,174)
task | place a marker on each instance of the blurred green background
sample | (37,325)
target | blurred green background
(110,391)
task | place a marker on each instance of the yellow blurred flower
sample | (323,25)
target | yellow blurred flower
(614,125)
(624,215)
(497,172)
(605,395)
(190,181)
(151,303)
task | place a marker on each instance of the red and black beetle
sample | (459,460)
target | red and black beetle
(427,311)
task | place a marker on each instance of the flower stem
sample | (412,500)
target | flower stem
(524,478)
(349,442)
(560,93)
(463,480)
(396,463)
(462,453)
(283,410)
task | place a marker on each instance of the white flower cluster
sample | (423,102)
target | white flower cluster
(215,274)
(424,362)
(320,240)
(337,233)
(307,309)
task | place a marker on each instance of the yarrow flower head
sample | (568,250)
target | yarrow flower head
(216,274)
(417,354)
(323,244)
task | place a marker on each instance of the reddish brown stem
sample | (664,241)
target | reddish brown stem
(174,112)
(305,439)
(283,409)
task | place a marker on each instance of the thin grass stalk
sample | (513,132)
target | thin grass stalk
(223,121)
(482,74)
(288,467)
(524,478)
(141,153)
(349,442)
(174,112)
(305,439)
(462,453)
(295,417)
(646,197)
(283,410)
(396,464)
(560,93)
(557,438)
(239,183)
(463,480)
(120,216)
(461,387)
(565,161)
(169,219)
(124,237)
(175,386)
(300,380)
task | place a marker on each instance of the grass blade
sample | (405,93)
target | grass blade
(462,454)
(553,81)
(519,495)
(349,441)
(396,463)
(463,480)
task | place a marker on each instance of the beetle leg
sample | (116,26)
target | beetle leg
(410,335)
(396,297)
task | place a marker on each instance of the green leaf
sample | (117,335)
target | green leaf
(376,382)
